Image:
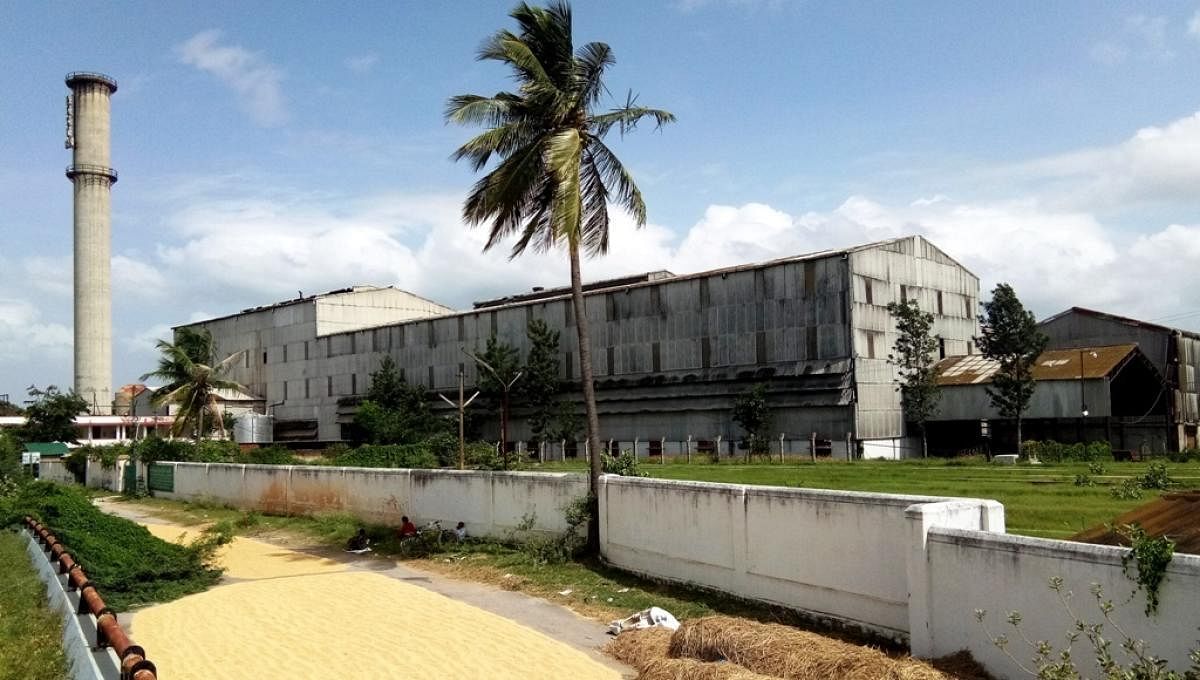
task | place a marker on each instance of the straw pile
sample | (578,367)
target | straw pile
(639,647)
(783,652)
(690,669)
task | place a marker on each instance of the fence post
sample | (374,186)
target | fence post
(689,449)
(662,451)
(812,447)
(849,454)
(717,450)
(781,436)
(636,441)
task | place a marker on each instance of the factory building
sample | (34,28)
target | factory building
(1109,393)
(1174,353)
(671,353)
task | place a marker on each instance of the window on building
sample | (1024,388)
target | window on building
(307,388)
(970,347)
(903,293)
(353,383)
(870,345)
(939,303)
(264,356)
(285,353)
(941,348)
(867,288)
(329,385)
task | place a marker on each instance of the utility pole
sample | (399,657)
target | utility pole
(505,387)
(462,411)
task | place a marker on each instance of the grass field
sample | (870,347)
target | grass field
(1039,500)
(30,634)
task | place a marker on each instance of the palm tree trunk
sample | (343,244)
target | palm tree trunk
(589,399)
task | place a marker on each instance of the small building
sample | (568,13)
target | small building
(1106,393)
(1173,351)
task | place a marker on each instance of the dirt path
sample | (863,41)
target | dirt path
(296,613)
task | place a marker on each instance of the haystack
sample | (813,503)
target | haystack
(784,652)
(640,647)
(690,669)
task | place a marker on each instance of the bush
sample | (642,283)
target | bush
(1050,451)
(270,455)
(1156,477)
(390,456)
(107,456)
(129,565)
(214,451)
(626,465)
(1185,456)
(1127,490)
(155,449)
(483,456)
(563,547)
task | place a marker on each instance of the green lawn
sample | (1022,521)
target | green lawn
(30,634)
(1039,500)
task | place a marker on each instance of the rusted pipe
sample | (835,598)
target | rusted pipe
(134,665)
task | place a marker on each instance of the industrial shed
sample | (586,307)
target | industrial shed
(670,352)
(1106,393)
(1173,351)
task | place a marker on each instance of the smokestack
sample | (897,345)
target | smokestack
(92,175)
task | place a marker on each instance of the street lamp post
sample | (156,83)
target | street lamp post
(504,388)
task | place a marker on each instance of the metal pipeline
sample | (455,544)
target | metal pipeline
(134,664)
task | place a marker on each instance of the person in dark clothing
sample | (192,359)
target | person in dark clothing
(358,542)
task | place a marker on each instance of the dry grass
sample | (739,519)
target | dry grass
(783,652)
(690,669)
(639,647)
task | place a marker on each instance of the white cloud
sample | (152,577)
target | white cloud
(362,63)
(256,80)
(1155,164)
(1193,26)
(52,275)
(24,335)
(139,280)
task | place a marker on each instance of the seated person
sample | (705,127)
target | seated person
(358,542)
(460,531)
(407,528)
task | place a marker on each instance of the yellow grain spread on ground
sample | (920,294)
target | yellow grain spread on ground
(303,617)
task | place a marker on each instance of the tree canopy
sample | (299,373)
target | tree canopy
(914,356)
(51,416)
(1012,339)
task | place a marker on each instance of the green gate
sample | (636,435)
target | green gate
(161,477)
(129,486)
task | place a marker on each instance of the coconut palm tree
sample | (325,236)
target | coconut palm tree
(193,376)
(554,175)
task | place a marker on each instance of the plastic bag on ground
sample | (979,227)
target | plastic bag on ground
(647,618)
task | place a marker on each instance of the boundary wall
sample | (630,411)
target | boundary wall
(839,554)
(489,503)
(969,570)
(909,568)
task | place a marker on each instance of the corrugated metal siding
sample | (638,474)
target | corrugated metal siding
(907,269)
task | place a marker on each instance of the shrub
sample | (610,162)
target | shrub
(562,547)
(1185,456)
(76,464)
(1084,480)
(1096,468)
(390,456)
(1050,451)
(214,451)
(1156,477)
(270,455)
(626,465)
(1127,490)
(156,449)
(482,456)
(107,456)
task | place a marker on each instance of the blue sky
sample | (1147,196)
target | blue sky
(266,148)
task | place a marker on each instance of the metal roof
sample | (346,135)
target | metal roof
(1174,515)
(1054,364)
(1119,319)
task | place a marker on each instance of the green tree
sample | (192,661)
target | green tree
(193,376)
(10,458)
(499,368)
(396,412)
(752,413)
(914,356)
(555,176)
(1011,339)
(51,416)
(539,386)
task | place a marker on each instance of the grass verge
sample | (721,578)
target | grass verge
(30,633)
(130,566)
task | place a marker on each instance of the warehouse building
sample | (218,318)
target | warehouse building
(1100,393)
(1175,353)
(670,353)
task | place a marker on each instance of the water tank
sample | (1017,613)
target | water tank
(253,428)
